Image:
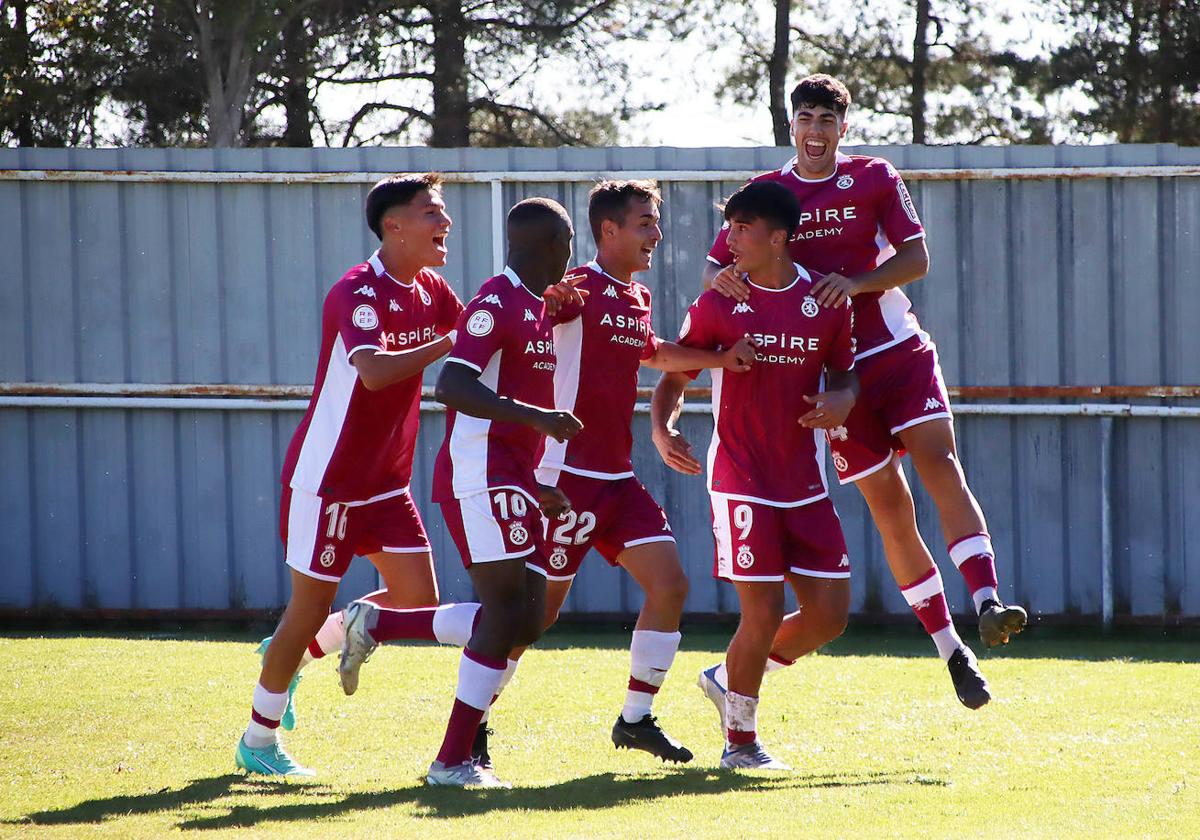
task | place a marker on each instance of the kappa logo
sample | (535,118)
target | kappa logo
(844,563)
(393,306)
(425,298)
(932,403)
(840,433)
(480,323)
(923,605)
(493,299)
(840,463)
(609,291)
(365,318)
(558,557)
(809,307)
(742,307)
(517,534)
(328,556)
(529,316)
(845,182)
(745,557)
(365,290)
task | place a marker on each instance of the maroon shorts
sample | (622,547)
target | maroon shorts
(609,515)
(320,536)
(503,523)
(756,541)
(898,388)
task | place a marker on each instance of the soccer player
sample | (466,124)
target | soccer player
(610,338)
(772,517)
(858,225)
(346,475)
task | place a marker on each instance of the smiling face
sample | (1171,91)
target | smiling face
(756,244)
(628,246)
(419,228)
(817,131)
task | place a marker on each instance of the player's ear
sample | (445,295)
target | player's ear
(608,228)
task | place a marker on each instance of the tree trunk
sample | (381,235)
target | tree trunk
(920,67)
(1166,74)
(297,102)
(228,71)
(24,127)
(451,105)
(777,73)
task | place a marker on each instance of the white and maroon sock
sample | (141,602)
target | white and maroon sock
(741,718)
(651,653)
(453,624)
(478,678)
(928,600)
(505,679)
(450,624)
(329,639)
(976,561)
(774,663)
(266,709)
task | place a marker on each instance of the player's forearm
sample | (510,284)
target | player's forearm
(675,358)
(459,388)
(842,380)
(379,369)
(910,263)
(667,402)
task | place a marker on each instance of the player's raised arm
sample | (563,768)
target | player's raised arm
(665,408)
(379,368)
(671,357)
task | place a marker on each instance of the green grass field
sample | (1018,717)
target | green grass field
(133,736)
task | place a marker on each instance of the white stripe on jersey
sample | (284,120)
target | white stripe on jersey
(469,440)
(718,376)
(568,351)
(328,417)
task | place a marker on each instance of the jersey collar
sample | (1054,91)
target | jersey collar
(377,266)
(594,265)
(516,281)
(801,274)
(790,167)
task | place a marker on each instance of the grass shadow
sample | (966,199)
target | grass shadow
(595,792)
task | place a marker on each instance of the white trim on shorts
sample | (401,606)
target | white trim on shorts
(942,415)
(420,549)
(754,578)
(391,494)
(537,569)
(644,540)
(869,470)
(737,497)
(796,570)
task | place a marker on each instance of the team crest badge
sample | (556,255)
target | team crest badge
(365,318)
(425,298)
(517,535)
(845,182)
(558,557)
(840,463)
(480,323)
(745,557)
(809,307)
(328,556)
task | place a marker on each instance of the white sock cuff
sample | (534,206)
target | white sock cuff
(741,712)
(454,623)
(774,665)
(268,703)
(651,654)
(968,547)
(984,593)
(332,634)
(477,683)
(924,590)
(509,670)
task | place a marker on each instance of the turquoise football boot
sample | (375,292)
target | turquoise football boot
(270,760)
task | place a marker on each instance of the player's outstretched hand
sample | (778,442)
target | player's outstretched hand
(560,425)
(564,293)
(553,502)
(831,408)
(676,452)
(833,290)
(731,283)
(740,357)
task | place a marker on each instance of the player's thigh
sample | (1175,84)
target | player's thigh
(762,605)
(930,443)
(556,596)
(408,578)
(655,566)
(825,600)
(889,497)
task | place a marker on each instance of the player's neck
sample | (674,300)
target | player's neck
(532,274)
(399,264)
(813,174)
(613,269)
(775,274)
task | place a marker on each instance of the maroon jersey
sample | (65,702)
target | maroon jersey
(355,445)
(505,335)
(849,223)
(759,452)
(611,335)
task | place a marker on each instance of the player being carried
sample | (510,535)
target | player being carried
(346,475)
(600,347)
(772,517)
(858,225)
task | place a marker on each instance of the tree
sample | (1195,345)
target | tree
(1138,62)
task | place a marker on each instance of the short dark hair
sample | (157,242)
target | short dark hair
(823,91)
(610,200)
(395,190)
(537,211)
(766,200)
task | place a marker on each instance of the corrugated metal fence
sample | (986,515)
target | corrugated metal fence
(142,267)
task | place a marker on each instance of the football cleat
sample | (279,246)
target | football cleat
(465,775)
(270,760)
(713,691)
(288,721)
(646,735)
(997,622)
(358,646)
(752,756)
(479,749)
(969,684)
